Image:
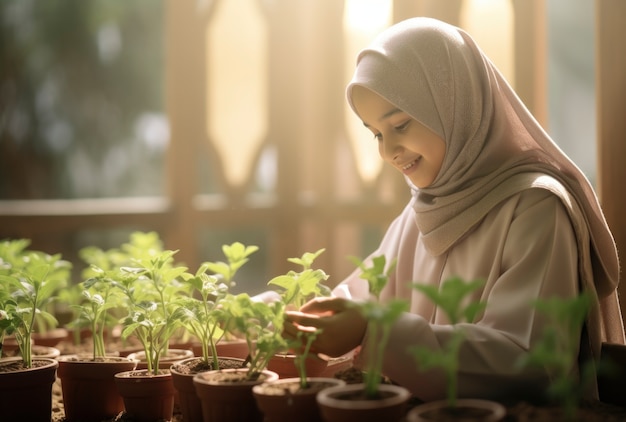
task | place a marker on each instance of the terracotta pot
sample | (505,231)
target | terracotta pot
(36,351)
(147,397)
(284,401)
(26,394)
(232,348)
(182,377)
(468,410)
(226,395)
(50,338)
(346,403)
(45,351)
(167,359)
(316,365)
(88,386)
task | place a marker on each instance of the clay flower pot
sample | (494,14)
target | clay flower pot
(347,403)
(36,351)
(232,348)
(316,365)
(168,358)
(182,376)
(227,396)
(469,410)
(88,386)
(147,397)
(26,393)
(50,338)
(284,401)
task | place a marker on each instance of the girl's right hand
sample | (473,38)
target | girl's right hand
(342,325)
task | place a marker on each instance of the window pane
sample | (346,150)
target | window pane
(81,99)
(571,80)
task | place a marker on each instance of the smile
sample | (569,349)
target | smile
(410,165)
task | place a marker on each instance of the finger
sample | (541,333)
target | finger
(292,330)
(324,305)
(302,319)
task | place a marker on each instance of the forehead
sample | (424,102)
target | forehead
(370,106)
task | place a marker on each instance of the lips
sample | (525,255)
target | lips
(410,164)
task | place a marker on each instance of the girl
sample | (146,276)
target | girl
(493,198)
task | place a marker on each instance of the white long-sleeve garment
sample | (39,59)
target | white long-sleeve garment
(525,250)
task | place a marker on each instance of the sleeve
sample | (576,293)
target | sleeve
(539,260)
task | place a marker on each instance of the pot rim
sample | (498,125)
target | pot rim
(338,382)
(497,409)
(142,373)
(327,397)
(84,359)
(195,358)
(203,377)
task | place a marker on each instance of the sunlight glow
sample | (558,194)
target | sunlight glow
(491,24)
(363,20)
(237,86)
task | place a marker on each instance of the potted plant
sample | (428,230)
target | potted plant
(203,318)
(223,343)
(227,394)
(88,381)
(150,289)
(294,398)
(450,297)
(29,278)
(296,288)
(371,400)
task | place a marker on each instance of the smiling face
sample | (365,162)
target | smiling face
(403,142)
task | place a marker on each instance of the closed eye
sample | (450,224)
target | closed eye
(403,126)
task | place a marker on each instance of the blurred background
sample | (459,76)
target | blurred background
(214,121)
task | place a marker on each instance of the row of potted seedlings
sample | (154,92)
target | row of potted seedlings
(142,288)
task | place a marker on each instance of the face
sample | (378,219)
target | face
(403,142)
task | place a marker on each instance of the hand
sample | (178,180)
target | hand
(342,324)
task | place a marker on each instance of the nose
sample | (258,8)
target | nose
(389,149)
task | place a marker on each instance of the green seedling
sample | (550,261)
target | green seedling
(380,317)
(451,298)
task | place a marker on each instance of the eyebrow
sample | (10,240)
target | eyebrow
(386,115)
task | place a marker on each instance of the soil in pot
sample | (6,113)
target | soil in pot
(26,393)
(182,376)
(468,410)
(88,386)
(285,400)
(226,395)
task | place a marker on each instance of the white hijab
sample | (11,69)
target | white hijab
(437,74)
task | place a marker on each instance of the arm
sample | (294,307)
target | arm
(538,259)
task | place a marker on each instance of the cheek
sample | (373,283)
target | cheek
(381,150)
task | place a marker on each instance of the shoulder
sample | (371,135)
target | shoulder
(533,208)
(532,191)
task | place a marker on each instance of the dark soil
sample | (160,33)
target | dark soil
(193,366)
(293,388)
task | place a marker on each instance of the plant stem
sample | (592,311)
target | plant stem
(372,373)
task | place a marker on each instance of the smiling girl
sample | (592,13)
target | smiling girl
(493,198)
